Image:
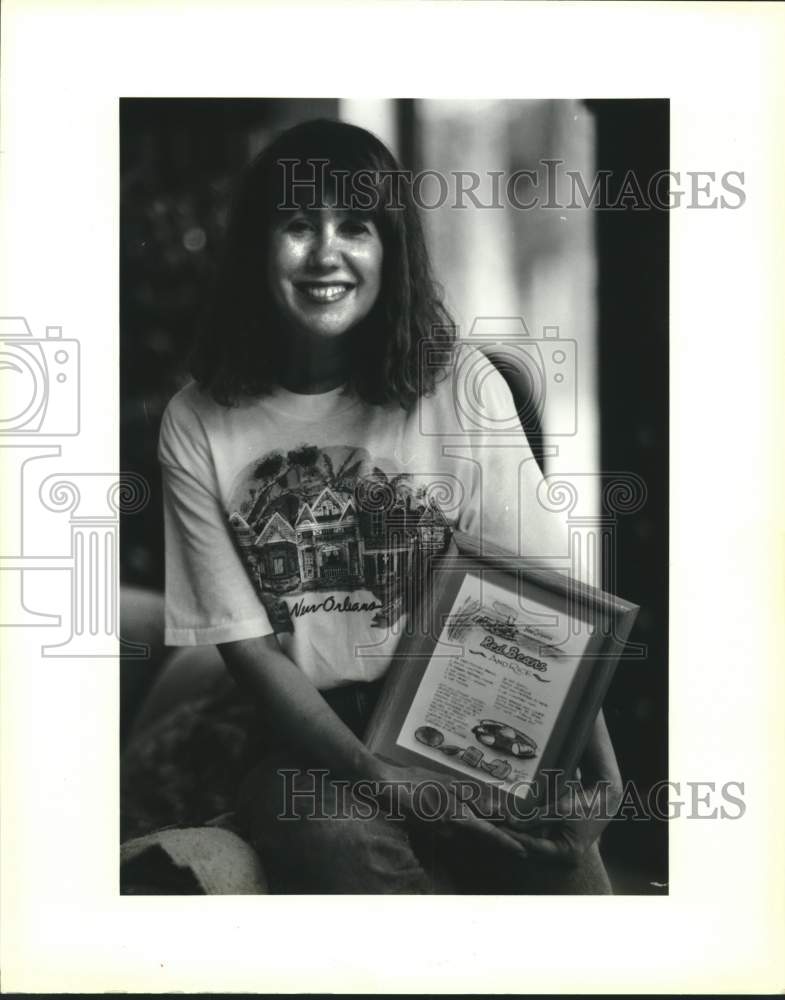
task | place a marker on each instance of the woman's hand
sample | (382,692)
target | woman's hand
(582,810)
(451,807)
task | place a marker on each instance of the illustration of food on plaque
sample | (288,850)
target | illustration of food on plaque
(490,734)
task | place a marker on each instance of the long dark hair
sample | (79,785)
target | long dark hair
(405,343)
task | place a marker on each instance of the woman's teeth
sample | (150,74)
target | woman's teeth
(324,293)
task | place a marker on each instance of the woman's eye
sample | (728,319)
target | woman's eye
(355,228)
(298,226)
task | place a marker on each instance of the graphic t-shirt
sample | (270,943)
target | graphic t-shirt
(315,516)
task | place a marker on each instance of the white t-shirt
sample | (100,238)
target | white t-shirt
(309,515)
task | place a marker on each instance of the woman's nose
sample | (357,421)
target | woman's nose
(325,252)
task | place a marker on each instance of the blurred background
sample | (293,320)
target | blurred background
(599,278)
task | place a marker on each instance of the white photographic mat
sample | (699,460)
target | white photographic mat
(66,64)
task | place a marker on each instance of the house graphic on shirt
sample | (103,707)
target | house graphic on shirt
(332,541)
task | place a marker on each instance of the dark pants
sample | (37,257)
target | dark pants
(323,848)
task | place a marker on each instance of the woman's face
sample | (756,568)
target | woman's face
(325,269)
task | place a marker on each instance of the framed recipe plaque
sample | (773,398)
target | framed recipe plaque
(501,673)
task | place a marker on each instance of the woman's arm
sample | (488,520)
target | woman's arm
(582,812)
(294,712)
(300,718)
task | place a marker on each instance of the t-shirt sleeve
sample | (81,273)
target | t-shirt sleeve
(209,596)
(504,506)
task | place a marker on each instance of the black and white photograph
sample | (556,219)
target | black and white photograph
(390,405)
(350,328)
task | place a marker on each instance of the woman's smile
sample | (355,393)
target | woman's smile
(324,293)
(325,269)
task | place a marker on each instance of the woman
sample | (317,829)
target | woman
(323,398)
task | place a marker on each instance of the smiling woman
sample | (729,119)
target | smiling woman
(329,272)
(305,497)
(325,270)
